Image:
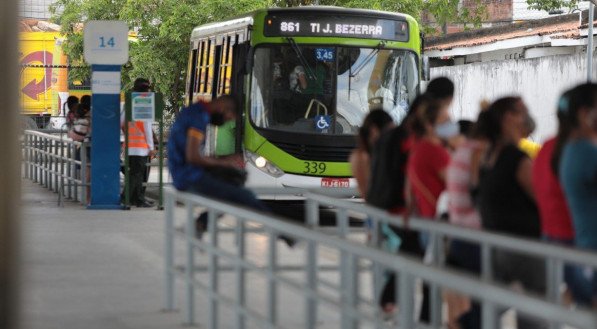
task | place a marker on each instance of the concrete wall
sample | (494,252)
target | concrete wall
(540,81)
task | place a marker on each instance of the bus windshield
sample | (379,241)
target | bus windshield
(329,90)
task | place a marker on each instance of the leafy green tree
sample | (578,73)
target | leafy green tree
(163,27)
(160,52)
(551,5)
(445,12)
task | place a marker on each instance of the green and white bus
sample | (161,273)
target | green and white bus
(307,77)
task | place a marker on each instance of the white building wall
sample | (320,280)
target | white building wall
(540,82)
(35,8)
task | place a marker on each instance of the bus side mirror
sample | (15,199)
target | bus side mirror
(426,68)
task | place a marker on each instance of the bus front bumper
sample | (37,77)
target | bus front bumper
(257,178)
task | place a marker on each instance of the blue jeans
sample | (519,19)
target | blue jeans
(214,188)
(580,285)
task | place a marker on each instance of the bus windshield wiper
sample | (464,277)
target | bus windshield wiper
(367,59)
(308,70)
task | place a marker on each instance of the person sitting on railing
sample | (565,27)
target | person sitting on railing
(215,177)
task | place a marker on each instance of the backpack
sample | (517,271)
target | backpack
(388,169)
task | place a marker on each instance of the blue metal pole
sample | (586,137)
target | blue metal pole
(105,144)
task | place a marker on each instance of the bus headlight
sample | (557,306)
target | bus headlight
(262,164)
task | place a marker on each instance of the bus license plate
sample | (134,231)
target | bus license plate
(334,182)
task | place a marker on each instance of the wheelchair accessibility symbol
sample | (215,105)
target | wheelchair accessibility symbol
(322,122)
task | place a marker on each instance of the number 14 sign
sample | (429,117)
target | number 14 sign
(106,42)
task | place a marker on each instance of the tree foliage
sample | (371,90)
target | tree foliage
(163,28)
(552,5)
(451,11)
(160,52)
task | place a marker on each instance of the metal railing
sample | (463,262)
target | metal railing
(353,306)
(57,163)
(555,256)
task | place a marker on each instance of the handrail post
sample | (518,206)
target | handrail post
(190,265)
(240,274)
(405,287)
(346,274)
(62,169)
(553,280)
(488,313)
(161,163)
(312,212)
(46,164)
(377,270)
(213,269)
(30,152)
(77,172)
(169,253)
(436,297)
(26,149)
(271,283)
(55,165)
(311,302)
(69,168)
(38,160)
(84,181)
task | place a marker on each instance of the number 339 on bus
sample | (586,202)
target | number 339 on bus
(313,167)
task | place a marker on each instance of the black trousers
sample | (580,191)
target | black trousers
(410,245)
(137,172)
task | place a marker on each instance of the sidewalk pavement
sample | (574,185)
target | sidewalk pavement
(92,269)
(84,269)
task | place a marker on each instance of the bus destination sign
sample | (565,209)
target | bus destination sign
(336,26)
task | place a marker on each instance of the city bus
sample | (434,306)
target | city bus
(306,78)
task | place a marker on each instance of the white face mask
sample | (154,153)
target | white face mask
(447,129)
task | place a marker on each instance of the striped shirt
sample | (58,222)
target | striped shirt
(458,183)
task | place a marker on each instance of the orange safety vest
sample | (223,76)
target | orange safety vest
(137,138)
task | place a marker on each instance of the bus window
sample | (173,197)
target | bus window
(205,69)
(295,88)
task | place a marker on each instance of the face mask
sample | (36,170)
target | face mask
(217,119)
(447,129)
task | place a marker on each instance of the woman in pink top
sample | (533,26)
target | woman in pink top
(461,179)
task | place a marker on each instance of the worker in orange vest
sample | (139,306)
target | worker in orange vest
(141,150)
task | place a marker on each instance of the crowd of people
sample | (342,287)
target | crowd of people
(493,179)
(492,176)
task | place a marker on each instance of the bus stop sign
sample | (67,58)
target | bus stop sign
(106,42)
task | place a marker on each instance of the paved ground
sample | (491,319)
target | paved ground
(90,269)
(93,269)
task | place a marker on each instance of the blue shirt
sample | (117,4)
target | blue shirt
(578,176)
(184,174)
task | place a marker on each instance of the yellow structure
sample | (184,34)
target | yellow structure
(36,58)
